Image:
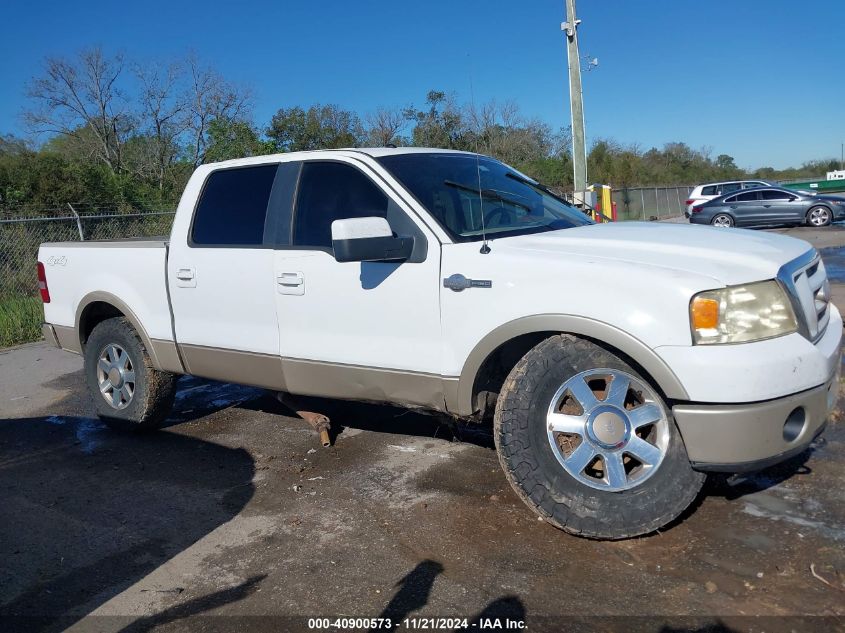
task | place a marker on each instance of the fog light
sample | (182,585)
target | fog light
(794,424)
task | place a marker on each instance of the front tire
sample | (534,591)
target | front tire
(589,444)
(128,393)
(819,217)
(722,220)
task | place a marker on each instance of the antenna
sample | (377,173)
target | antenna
(485,247)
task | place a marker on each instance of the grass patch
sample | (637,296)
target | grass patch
(20,320)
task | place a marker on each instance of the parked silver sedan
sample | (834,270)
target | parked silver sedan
(769,206)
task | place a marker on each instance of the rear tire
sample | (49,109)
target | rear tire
(819,216)
(722,220)
(128,393)
(582,493)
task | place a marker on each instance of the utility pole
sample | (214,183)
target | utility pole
(576,102)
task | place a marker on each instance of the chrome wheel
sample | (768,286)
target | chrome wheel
(116,376)
(723,221)
(819,216)
(607,429)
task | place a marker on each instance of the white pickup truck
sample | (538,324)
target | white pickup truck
(620,361)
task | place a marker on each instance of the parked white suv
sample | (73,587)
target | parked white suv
(621,361)
(703,193)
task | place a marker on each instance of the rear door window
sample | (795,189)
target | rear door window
(709,191)
(731,186)
(232,208)
(748,197)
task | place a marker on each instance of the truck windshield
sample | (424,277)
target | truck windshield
(456,189)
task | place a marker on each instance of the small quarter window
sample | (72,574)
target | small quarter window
(233,207)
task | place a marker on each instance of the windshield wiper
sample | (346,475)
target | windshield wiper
(487,193)
(540,186)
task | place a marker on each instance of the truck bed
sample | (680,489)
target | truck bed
(131,271)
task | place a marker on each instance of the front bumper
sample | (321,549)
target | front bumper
(744,437)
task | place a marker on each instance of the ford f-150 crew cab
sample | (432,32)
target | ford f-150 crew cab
(620,362)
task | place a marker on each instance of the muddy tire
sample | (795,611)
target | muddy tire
(127,392)
(589,444)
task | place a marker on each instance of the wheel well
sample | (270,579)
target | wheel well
(94,314)
(820,204)
(499,363)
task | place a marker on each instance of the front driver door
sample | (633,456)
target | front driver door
(364,330)
(779,206)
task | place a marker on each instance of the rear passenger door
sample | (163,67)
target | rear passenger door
(220,276)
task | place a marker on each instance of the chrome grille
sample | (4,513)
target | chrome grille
(805,281)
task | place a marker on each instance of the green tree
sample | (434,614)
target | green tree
(441,125)
(319,127)
(235,139)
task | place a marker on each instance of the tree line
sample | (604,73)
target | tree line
(124,133)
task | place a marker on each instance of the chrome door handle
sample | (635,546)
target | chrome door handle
(290,279)
(292,283)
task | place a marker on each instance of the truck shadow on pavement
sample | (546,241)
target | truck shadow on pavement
(85,513)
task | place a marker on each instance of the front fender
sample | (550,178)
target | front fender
(460,399)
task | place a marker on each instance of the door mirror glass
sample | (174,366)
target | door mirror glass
(368,239)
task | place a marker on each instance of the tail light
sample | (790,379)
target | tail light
(696,209)
(689,202)
(42,284)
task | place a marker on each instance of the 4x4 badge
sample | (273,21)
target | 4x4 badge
(458,282)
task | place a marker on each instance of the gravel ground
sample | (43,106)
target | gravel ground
(234,517)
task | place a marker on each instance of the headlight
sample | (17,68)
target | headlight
(739,314)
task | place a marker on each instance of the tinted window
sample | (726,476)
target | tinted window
(332,191)
(731,199)
(731,186)
(751,195)
(233,206)
(773,194)
(709,191)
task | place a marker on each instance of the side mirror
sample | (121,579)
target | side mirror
(368,240)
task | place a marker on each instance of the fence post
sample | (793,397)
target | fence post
(642,197)
(680,207)
(78,222)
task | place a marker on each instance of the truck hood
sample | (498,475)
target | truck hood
(730,256)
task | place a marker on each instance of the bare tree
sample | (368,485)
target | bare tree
(210,97)
(163,108)
(384,126)
(80,98)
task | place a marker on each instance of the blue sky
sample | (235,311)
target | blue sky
(743,77)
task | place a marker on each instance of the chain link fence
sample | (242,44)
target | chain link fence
(20,237)
(646,203)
